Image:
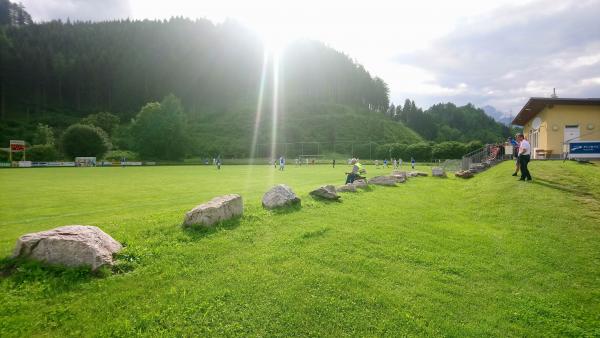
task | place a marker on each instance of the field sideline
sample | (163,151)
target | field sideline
(442,257)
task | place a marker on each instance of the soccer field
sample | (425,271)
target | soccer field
(448,257)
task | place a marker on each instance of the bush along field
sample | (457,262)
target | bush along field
(489,256)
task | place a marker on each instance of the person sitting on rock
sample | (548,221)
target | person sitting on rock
(357,169)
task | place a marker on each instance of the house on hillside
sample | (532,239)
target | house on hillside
(559,127)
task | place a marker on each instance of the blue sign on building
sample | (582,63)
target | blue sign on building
(584,149)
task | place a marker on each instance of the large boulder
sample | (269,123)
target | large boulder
(71,245)
(438,172)
(280,196)
(361,184)
(346,188)
(325,192)
(477,167)
(399,174)
(216,210)
(384,180)
(464,174)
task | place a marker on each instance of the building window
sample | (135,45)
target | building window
(534,138)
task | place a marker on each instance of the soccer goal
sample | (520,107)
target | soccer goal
(311,159)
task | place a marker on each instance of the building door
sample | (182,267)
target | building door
(571,133)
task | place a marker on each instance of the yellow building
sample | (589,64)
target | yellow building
(556,127)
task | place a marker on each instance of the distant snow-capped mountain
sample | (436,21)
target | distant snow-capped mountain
(497,115)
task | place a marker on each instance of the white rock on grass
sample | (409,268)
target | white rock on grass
(384,180)
(416,174)
(325,192)
(399,174)
(216,210)
(280,196)
(464,174)
(438,172)
(71,245)
(361,184)
(346,188)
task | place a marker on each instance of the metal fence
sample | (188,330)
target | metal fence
(488,156)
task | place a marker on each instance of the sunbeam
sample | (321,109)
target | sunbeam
(275,105)
(259,106)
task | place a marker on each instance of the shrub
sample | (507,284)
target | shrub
(448,150)
(84,140)
(420,151)
(42,152)
(472,146)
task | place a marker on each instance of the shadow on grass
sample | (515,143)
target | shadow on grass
(558,186)
(53,278)
(199,232)
(286,210)
(325,200)
(59,278)
(314,234)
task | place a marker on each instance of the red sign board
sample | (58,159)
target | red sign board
(17,146)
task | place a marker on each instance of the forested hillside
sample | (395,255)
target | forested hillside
(447,122)
(216,76)
(119,66)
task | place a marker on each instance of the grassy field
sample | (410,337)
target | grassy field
(489,256)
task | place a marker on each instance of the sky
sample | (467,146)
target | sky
(496,53)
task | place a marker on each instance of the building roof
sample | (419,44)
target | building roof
(537,104)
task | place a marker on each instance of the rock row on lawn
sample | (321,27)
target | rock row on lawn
(416,173)
(216,210)
(346,188)
(280,196)
(438,172)
(384,180)
(326,192)
(71,245)
(464,174)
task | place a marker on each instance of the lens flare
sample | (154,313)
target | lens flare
(259,106)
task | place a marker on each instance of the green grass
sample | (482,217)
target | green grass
(489,256)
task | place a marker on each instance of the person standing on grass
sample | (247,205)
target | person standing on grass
(515,145)
(334,162)
(395,164)
(524,157)
(281,163)
(412,162)
(218,162)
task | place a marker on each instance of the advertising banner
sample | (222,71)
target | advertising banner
(587,149)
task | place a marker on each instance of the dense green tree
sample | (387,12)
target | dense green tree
(84,140)
(42,152)
(107,121)
(159,130)
(12,14)
(43,135)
